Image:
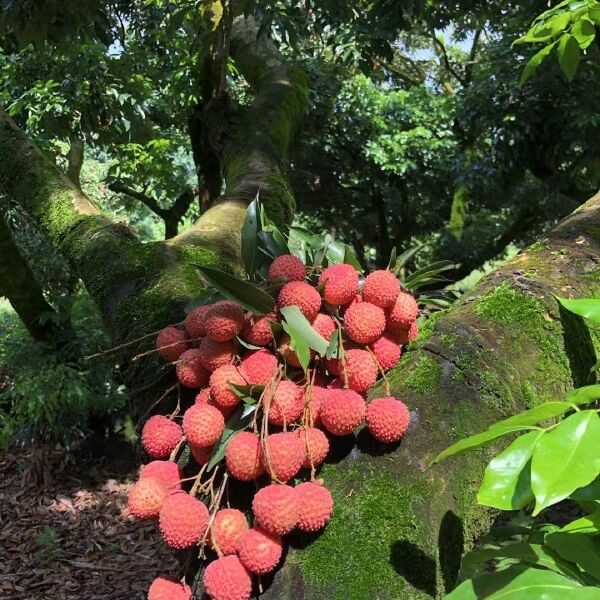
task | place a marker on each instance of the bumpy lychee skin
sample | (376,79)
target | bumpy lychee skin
(257,329)
(315,505)
(167,589)
(203,396)
(183,520)
(220,391)
(195,322)
(402,314)
(166,472)
(201,455)
(387,419)
(160,435)
(203,425)
(387,351)
(283,455)
(190,370)
(287,403)
(171,343)
(316,446)
(341,284)
(259,367)
(342,411)
(381,288)
(244,456)
(287,268)
(302,295)
(360,370)
(146,498)
(324,325)
(406,336)
(260,551)
(334,364)
(364,322)
(227,579)
(215,354)
(227,530)
(224,320)
(275,508)
(317,393)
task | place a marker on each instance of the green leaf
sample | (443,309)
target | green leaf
(565,459)
(245,294)
(535,61)
(589,492)
(594,14)
(393,259)
(522,583)
(558,23)
(250,254)
(587,524)
(303,328)
(246,391)
(507,483)
(477,440)
(584,395)
(237,422)
(428,274)
(405,257)
(584,32)
(569,55)
(335,252)
(334,345)
(351,259)
(299,345)
(588,308)
(579,548)
(208,297)
(536,415)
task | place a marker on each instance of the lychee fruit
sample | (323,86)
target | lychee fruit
(167,589)
(146,498)
(260,551)
(220,390)
(317,393)
(334,364)
(203,396)
(227,579)
(406,336)
(287,268)
(229,525)
(290,356)
(257,329)
(364,322)
(224,320)
(275,508)
(183,520)
(302,295)
(387,419)
(387,351)
(190,370)
(283,455)
(287,403)
(166,472)
(160,436)
(324,325)
(203,425)
(315,505)
(244,456)
(201,455)
(381,288)
(195,322)
(341,284)
(215,354)
(259,367)
(171,343)
(316,446)
(402,313)
(342,411)
(359,370)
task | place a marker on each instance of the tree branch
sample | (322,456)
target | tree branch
(148,201)
(75,160)
(444,56)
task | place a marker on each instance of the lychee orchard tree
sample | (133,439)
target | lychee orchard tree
(274,378)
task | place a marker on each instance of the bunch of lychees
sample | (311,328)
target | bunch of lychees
(296,412)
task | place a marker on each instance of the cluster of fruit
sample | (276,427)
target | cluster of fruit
(223,350)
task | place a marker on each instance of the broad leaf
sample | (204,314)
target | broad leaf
(208,297)
(334,345)
(584,395)
(299,345)
(535,415)
(588,308)
(584,32)
(569,55)
(506,482)
(589,492)
(580,548)
(535,62)
(300,324)
(237,422)
(250,254)
(245,294)
(565,459)
(587,524)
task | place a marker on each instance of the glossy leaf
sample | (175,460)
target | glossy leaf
(584,32)
(245,294)
(565,459)
(535,61)
(587,524)
(350,258)
(300,324)
(536,415)
(588,308)
(584,395)
(589,492)
(299,345)
(569,55)
(237,422)
(506,481)
(580,548)
(250,253)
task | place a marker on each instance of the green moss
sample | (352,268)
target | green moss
(425,374)
(426,330)
(506,305)
(450,340)
(539,246)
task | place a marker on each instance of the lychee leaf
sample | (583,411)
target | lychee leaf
(588,308)
(236,423)
(250,254)
(299,345)
(333,349)
(299,323)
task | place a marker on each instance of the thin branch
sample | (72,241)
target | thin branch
(148,201)
(442,52)
(472,54)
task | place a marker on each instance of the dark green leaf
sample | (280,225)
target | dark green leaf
(536,415)
(569,55)
(594,14)
(268,241)
(405,257)
(589,492)
(241,342)
(580,548)
(588,308)
(351,259)
(237,422)
(584,395)
(246,390)
(245,294)
(302,327)
(208,297)
(393,259)
(334,345)
(250,254)
(535,62)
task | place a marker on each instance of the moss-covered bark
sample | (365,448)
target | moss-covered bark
(400,527)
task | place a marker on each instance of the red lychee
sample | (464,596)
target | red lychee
(324,325)
(229,525)
(171,343)
(302,295)
(342,411)
(160,436)
(359,370)
(167,589)
(381,288)
(224,320)
(283,455)
(402,314)
(220,390)
(203,425)
(183,520)
(317,393)
(341,284)
(276,508)
(315,506)
(190,370)
(201,455)
(260,551)
(244,456)
(406,336)
(259,367)
(195,322)
(364,322)
(257,330)
(287,403)
(203,396)
(387,419)
(146,498)
(215,354)
(289,356)
(165,471)
(227,579)
(315,444)
(287,268)
(387,351)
